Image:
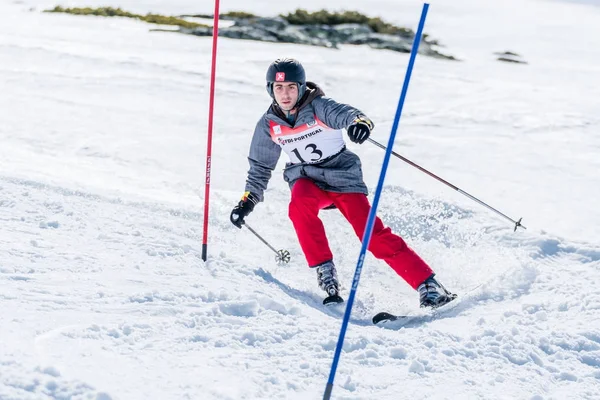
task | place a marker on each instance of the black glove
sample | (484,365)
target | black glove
(244,207)
(360,129)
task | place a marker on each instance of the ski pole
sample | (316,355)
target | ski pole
(517,223)
(282,256)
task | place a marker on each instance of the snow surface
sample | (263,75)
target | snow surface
(103,132)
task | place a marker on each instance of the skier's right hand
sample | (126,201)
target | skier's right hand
(244,207)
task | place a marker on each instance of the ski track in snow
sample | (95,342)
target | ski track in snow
(103,291)
(123,284)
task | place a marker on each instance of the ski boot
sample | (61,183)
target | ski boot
(433,294)
(327,278)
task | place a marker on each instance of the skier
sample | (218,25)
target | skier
(323,174)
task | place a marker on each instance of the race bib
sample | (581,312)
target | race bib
(308,143)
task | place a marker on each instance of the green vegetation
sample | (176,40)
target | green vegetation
(303,17)
(237,14)
(232,15)
(165,20)
(117,12)
(298,17)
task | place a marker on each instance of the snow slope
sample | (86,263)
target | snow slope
(105,295)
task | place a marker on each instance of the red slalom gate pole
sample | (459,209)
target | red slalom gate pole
(213,70)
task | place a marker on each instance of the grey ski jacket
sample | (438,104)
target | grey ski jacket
(340,173)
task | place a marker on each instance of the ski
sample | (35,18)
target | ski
(402,319)
(385,316)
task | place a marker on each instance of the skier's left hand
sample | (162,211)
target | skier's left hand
(360,129)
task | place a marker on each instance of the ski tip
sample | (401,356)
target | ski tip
(384,317)
(335,299)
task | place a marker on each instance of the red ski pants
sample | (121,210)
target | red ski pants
(308,199)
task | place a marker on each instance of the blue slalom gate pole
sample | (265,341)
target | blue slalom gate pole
(373,212)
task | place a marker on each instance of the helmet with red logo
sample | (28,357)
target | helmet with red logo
(286,70)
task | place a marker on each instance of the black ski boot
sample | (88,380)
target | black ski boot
(327,278)
(433,294)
